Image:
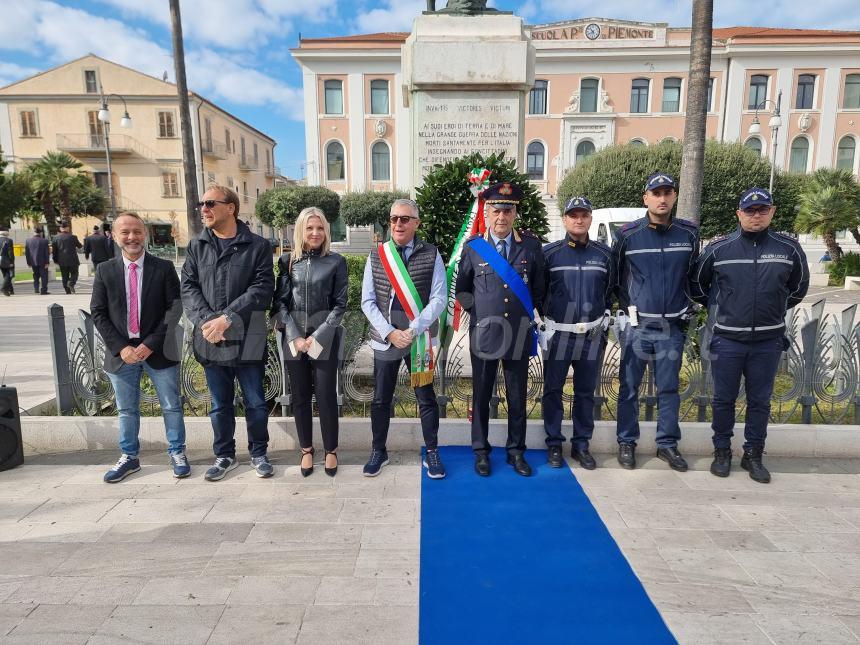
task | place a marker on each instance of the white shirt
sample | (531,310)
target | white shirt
(127,263)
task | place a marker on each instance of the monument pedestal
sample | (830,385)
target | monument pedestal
(466,79)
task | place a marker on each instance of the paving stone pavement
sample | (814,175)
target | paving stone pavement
(321,560)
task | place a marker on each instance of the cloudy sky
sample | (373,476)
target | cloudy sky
(237,51)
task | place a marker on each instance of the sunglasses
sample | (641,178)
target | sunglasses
(758,210)
(210,203)
(403,219)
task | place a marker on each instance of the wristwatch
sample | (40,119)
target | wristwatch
(230,316)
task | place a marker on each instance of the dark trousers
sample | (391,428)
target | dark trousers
(483,376)
(664,347)
(385,368)
(70,277)
(220,379)
(40,274)
(584,356)
(8,274)
(757,362)
(310,377)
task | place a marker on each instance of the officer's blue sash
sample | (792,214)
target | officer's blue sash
(507,273)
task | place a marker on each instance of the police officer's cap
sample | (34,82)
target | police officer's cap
(579,202)
(660,180)
(755,197)
(503,195)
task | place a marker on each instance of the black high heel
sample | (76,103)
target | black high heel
(331,472)
(307,471)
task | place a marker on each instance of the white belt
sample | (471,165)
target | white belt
(574,328)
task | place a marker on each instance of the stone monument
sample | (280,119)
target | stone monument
(466,75)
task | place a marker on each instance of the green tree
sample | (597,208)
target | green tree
(281,206)
(828,204)
(13,193)
(615,177)
(52,180)
(444,199)
(369,208)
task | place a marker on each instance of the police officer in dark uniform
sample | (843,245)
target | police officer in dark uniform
(580,280)
(654,257)
(749,279)
(500,327)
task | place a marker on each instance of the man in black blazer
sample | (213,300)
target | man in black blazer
(136,308)
(99,246)
(64,248)
(37,252)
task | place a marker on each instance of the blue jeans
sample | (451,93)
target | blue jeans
(126,386)
(664,346)
(757,362)
(220,379)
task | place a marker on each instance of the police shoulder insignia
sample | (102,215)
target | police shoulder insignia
(527,233)
(686,222)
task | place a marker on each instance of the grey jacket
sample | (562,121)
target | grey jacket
(311,296)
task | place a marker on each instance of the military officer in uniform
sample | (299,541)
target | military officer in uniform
(654,257)
(749,279)
(501,284)
(580,280)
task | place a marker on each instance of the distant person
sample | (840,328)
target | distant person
(7,261)
(64,248)
(98,247)
(136,308)
(826,257)
(38,255)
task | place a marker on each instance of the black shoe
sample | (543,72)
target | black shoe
(627,455)
(482,465)
(721,466)
(68,291)
(307,471)
(331,472)
(672,457)
(520,465)
(72,288)
(584,458)
(554,457)
(751,461)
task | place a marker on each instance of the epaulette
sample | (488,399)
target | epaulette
(552,245)
(686,222)
(629,226)
(473,237)
(524,232)
(600,245)
(719,238)
(791,237)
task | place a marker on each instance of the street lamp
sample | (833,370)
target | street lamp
(104,117)
(773,123)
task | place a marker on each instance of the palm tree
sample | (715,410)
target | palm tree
(52,179)
(829,203)
(693,156)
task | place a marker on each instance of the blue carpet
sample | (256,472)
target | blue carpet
(510,559)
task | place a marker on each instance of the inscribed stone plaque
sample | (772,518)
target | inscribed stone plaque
(451,124)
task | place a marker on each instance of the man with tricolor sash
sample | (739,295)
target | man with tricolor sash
(402,295)
(500,283)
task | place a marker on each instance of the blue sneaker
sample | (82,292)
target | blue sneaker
(433,464)
(262,466)
(221,467)
(378,459)
(181,468)
(125,466)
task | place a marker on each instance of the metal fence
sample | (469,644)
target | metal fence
(817,380)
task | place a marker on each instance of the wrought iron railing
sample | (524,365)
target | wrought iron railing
(817,380)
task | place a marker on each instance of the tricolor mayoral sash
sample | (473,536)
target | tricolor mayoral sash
(506,272)
(422,362)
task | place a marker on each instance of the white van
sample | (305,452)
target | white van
(605,222)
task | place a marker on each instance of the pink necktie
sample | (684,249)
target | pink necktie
(133,315)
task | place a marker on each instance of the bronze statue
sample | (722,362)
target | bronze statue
(463,7)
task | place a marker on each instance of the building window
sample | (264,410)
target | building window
(100,179)
(709,106)
(535,155)
(210,177)
(537,98)
(799,155)
(245,191)
(242,148)
(334,161)
(90,82)
(29,127)
(338,230)
(637,142)
(256,156)
(583,150)
(169,184)
(380,157)
(229,182)
(207,133)
(845,153)
(758,91)
(672,95)
(639,95)
(754,143)
(269,160)
(333,97)
(805,91)
(96,129)
(852,92)
(379,97)
(588,94)
(166,127)
(227,140)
